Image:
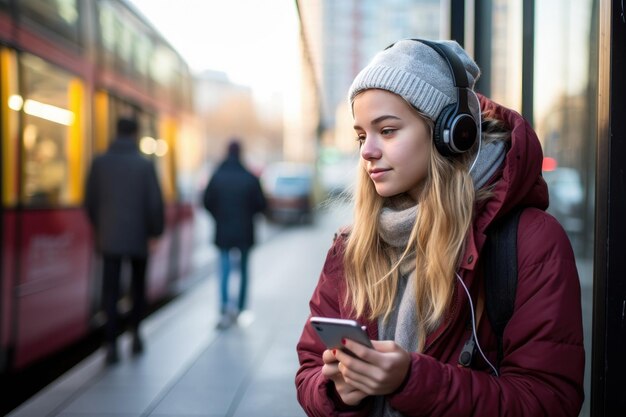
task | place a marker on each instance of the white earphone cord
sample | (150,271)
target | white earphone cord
(474,325)
(474,333)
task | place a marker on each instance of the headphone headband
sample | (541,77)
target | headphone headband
(456,129)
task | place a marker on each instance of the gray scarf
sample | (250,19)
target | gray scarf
(395,223)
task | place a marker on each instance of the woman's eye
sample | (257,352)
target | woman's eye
(387,131)
(360,139)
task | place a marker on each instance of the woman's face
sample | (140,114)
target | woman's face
(395,142)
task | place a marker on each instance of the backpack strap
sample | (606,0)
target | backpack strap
(500,254)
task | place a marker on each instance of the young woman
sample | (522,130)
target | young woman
(410,267)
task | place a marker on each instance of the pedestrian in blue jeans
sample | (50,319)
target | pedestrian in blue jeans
(227,258)
(233,197)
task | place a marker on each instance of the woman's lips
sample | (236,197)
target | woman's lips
(378,173)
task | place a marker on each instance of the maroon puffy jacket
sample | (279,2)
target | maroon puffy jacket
(541,373)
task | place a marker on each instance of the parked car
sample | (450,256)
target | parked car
(337,175)
(289,191)
(566,197)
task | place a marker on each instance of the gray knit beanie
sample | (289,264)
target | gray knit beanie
(416,72)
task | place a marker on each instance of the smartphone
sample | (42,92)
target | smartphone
(331,331)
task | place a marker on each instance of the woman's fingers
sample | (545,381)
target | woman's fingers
(348,393)
(352,397)
(328,356)
(377,371)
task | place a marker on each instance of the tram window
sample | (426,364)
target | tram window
(62,16)
(124,46)
(107,24)
(51,139)
(143,51)
(115,38)
(163,68)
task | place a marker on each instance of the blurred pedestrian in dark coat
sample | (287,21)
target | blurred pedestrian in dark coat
(125,206)
(233,197)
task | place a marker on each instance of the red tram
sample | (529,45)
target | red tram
(67,71)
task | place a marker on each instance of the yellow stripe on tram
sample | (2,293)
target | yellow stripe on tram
(10,105)
(166,159)
(76,141)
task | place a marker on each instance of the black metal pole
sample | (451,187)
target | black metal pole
(457,21)
(482,43)
(528,59)
(608,375)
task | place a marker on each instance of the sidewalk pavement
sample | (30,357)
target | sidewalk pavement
(191,369)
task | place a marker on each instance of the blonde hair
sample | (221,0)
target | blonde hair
(437,238)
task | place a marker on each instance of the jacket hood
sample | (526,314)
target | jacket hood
(521,182)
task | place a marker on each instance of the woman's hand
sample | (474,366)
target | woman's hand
(373,372)
(349,394)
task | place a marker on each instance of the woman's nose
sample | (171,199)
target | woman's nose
(370,149)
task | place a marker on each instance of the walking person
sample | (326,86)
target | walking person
(125,207)
(233,197)
(440,166)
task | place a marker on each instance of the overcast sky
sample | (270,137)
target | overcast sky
(252,41)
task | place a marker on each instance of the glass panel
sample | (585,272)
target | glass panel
(48,130)
(565,100)
(62,16)
(163,65)
(107,21)
(126,47)
(506,53)
(124,43)
(142,53)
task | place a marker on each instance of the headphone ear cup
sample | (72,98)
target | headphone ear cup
(454,132)
(442,123)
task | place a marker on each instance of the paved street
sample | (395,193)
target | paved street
(189,368)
